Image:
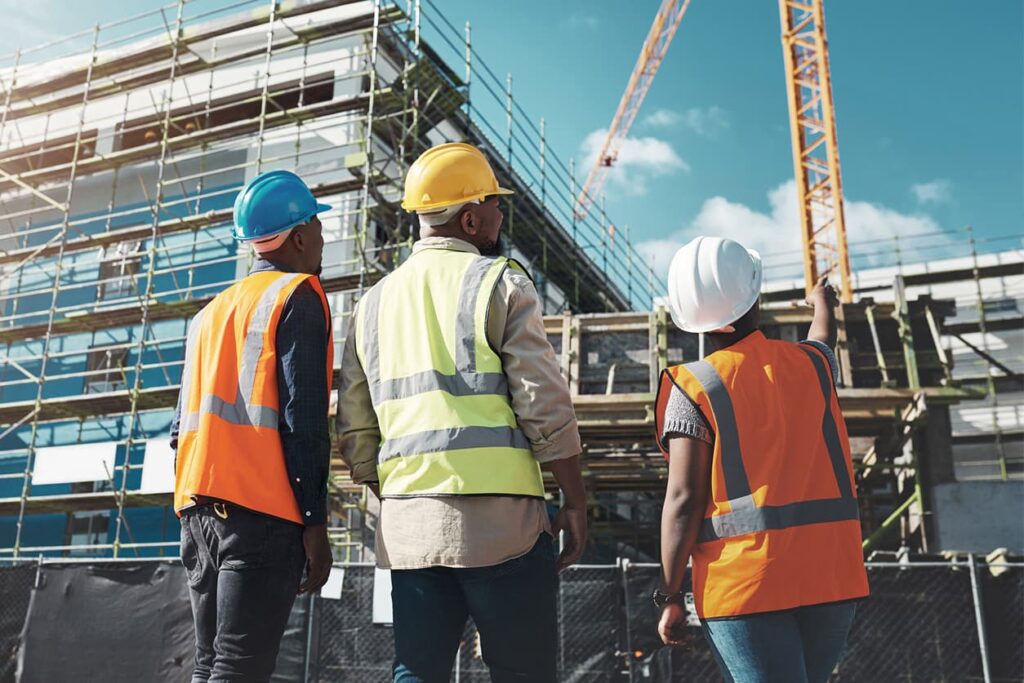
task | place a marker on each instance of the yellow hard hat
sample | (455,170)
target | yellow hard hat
(453,173)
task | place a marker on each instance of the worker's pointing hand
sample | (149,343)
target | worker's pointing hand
(318,558)
(823,294)
(573,521)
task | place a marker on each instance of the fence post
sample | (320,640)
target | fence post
(623,569)
(979,617)
(311,652)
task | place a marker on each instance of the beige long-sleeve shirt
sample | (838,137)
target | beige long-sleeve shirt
(469,531)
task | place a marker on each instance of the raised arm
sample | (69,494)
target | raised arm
(824,300)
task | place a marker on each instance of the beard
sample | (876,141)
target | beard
(495,248)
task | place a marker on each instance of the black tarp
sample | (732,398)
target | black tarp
(125,622)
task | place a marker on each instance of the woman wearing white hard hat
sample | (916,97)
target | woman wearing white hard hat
(760,495)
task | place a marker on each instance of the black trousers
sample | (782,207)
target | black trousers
(243,572)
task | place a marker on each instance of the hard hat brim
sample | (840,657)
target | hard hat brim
(430,206)
(320,208)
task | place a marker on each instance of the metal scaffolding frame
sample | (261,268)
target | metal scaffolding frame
(154,107)
(110,289)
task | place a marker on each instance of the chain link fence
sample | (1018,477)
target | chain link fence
(15,590)
(920,624)
(925,621)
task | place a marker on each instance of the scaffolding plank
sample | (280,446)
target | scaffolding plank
(107,317)
(198,138)
(144,231)
(601,416)
(80,502)
(916,280)
(163,50)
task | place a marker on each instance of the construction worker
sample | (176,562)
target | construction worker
(251,437)
(450,399)
(760,491)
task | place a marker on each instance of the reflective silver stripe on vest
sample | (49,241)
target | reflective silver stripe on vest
(252,347)
(737,487)
(828,426)
(747,518)
(453,439)
(466,382)
(465,317)
(432,380)
(370,305)
(775,517)
(237,413)
(188,373)
(242,411)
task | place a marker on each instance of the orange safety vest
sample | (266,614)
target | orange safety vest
(229,447)
(782,525)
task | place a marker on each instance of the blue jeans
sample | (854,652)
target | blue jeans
(512,604)
(800,645)
(243,573)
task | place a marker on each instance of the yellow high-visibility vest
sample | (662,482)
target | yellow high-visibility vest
(441,398)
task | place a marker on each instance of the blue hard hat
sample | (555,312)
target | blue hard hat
(271,203)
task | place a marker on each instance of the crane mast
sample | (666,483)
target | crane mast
(812,127)
(815,150)
(666,22)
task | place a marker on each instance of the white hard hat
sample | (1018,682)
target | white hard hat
(712,282)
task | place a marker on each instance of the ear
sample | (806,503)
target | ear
(298,239)
(468,222)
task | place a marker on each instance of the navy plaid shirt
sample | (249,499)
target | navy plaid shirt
(301,344)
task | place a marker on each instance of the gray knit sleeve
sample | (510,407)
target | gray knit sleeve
(830,356)
(684,419)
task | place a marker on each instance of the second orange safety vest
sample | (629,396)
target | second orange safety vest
(782,528)
(229,447)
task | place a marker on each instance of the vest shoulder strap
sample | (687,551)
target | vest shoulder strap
(519,267)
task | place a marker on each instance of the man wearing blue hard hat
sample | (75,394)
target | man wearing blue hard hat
(251,437)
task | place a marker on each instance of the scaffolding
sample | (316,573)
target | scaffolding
(118,169)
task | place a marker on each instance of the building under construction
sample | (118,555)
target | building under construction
(119,169)
(119,165)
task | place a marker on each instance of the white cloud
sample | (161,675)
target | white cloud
(776,233)
(639,160)
(936,192)
(704,121)
(661,118)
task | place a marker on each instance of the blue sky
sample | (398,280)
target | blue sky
(928,99)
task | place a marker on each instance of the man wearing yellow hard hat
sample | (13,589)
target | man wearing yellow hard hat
(450,401)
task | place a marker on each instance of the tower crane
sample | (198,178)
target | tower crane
(666,22)
(812,127)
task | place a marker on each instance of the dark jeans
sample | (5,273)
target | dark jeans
(512,604)
(243,574)
(800,645)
